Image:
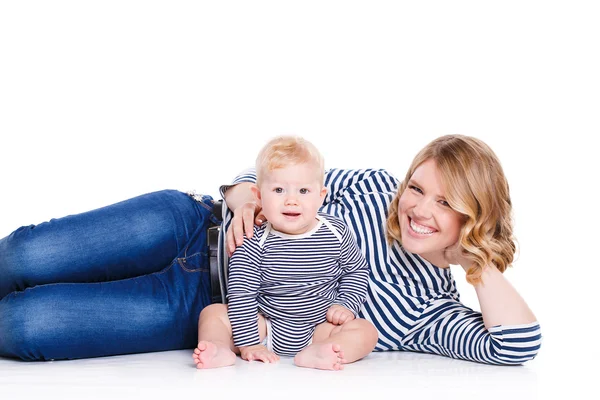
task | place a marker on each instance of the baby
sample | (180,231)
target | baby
(296,286)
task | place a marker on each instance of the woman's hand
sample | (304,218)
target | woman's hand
(456,256)
(499,302)
(243,220)
(258,353)
(339,315)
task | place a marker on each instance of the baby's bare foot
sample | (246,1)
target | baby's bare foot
(321,356)
(209,355)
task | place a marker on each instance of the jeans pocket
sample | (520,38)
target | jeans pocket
(197,262)
(207,203)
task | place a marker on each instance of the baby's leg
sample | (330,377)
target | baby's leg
(215,339)
(215,343)
(335,345)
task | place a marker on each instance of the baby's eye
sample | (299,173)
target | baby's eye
(415,188)
(278,190)
(303,191)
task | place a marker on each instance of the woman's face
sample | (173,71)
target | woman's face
(427,223)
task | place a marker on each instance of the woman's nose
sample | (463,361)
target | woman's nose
(422,209)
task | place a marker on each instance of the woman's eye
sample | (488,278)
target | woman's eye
(278,190)
(303,191)
(444,203)
(416,189)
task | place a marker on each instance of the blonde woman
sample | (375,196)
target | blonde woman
(453,207)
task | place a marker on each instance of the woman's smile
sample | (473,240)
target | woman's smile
(419,229)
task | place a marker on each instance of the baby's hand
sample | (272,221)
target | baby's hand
(258,352)
(339,315)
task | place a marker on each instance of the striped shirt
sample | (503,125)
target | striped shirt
(293,280)
(413,304)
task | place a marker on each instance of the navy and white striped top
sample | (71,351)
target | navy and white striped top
(295,278)
(413,304)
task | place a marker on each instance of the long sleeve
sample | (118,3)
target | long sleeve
(243,286)
(248,175)
(449,328)
(352,291)
(359,182)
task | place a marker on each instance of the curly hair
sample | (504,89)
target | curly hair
(476,187)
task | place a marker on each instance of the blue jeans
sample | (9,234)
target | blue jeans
(127,278)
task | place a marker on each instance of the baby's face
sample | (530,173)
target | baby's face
(290,198)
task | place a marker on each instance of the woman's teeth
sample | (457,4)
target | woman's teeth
(420,229)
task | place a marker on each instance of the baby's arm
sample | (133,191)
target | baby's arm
(242,287)
(352,291)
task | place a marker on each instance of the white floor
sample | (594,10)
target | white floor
(393,375)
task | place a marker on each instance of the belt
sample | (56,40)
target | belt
(217,259)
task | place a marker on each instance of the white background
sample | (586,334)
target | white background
(104,100)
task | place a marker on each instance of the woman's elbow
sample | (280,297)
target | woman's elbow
(518,345)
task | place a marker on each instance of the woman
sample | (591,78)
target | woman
(133,277)
(453,207)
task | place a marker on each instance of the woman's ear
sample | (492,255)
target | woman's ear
(256,192)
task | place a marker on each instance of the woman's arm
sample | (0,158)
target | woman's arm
(505,332)
(360,189)
(358,182)
(449,328)
(238,195)
(500,303)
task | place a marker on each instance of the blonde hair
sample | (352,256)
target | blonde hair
(475,186)
(283,151)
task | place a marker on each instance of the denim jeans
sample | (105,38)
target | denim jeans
(127,278)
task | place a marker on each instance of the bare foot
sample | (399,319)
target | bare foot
(209,355)
(321,356)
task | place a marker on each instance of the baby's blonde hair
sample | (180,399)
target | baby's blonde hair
(283,151)
(476,187)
